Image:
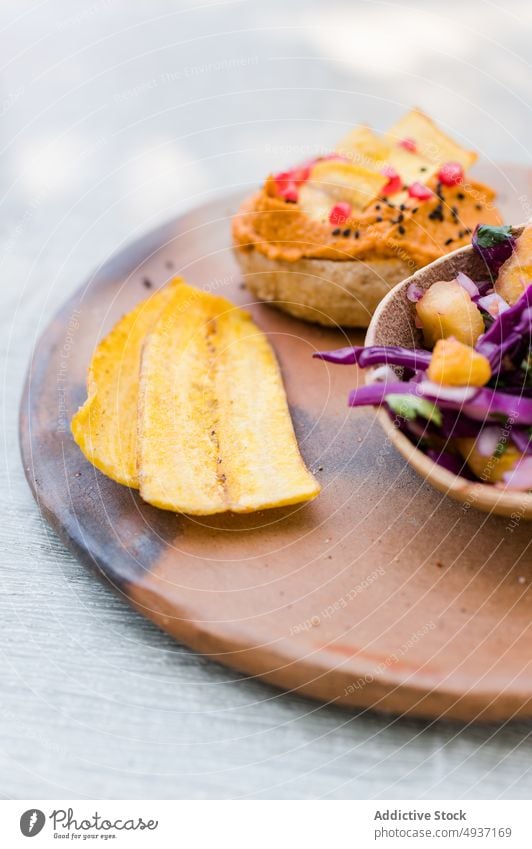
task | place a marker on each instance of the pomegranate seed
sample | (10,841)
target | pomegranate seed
(340,213)
(408,144)
(451,174)
(394,183)
(282,178)
(419,191)
(301,173)
(286,186)
(290,193)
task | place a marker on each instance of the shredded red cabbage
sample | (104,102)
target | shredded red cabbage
(469,285)
(511,329)
(522,439)
(484,405)
(414,293)
(436,417)
(452,462)
(433,415)
(377,355)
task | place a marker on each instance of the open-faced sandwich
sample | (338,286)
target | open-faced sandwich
(327,239)
(465,395)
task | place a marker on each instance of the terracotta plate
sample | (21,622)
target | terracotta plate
(382,593)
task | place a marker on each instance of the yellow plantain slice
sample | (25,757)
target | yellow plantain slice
(258,449)
(331,181)
(431,142)
(105,427)
(411,166)
(314,202)
(215,432)
(178,428)
(363,147)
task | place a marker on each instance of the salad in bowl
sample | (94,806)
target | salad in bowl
(449,363)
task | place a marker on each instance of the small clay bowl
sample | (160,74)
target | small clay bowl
(393,324)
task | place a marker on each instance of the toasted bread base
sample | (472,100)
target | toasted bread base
(322,291)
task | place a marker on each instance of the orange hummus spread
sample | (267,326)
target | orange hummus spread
(424,206)
(421,231)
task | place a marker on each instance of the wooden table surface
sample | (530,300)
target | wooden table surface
(113,119)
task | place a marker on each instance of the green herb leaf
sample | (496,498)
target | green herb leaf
(411,406)
(488,235)
(500,448)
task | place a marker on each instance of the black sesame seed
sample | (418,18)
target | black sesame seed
(347,232)
(478,206)
(460,196)
(415,209)
(401,229)
(423,168)
(147,283)
(400,218)
(378,218)
(377,206)
(356,234)
(437,213)
(454,210)
(336,232)
(448,241)
(402,207)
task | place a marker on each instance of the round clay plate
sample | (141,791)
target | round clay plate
(381,593)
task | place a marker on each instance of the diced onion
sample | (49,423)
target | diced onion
(466,283)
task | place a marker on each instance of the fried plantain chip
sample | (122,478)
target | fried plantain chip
(364,147)
(215,432)
(105,427)
(430,142)
(410,166)
(331,181)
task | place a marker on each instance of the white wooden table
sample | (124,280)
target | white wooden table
(114,116)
